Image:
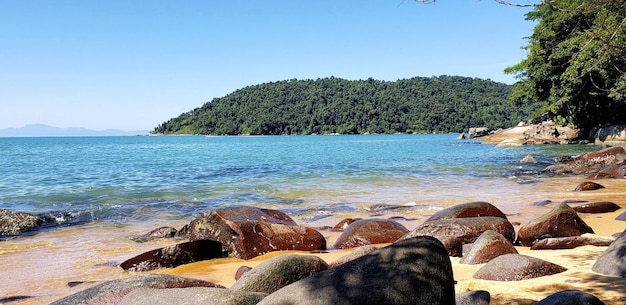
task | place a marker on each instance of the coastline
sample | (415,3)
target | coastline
(98,264)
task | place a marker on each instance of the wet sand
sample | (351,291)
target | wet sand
(43,264)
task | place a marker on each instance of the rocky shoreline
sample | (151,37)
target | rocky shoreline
(387,263)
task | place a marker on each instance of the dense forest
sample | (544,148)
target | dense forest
(334,105)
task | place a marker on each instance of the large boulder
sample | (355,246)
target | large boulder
(488,246)
(613,260)
(191,296)
(279,272)
(477,297)
(466,230)
(469,209)
(516,267)
(13,223)
(370,231)
(247,232)
(602,161)
(542,133)
(175,255)
(411,271)
(562,221)
(477,132)
(112,292)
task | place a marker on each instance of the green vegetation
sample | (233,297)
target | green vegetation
(576,62)
(333,105)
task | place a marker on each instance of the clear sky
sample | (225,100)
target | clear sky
(133,64)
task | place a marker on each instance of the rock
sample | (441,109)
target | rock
(542,133)
(13,223)
(461,137)
(621,216)
(614,135)
(469,209)
(175,255)
(588,186)
(597,207)
(241,271)
(528,159)
(466,230)
(609,172)
(278,272)
(477,132)
(562,221)
(247,232)
(343,224)
(516,267)
(488,246)
(112,292)
(613,260)
(358,252)
(570,297)
(570,242)
(411,271)
(368,232)
(453,245)
(191,296)
(158,233)
(478,297)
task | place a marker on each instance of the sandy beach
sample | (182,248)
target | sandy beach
(97,263)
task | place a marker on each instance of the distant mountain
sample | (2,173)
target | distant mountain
(41,130)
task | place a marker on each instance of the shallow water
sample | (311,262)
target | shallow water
(104,190)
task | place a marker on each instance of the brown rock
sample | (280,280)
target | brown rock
(247,232)
(344,223)
(241,271)
(370,231)
(562,221)
(588,186)
(570,243)
(466,230)
(516,267)
(488,246)
(175,255)
(453,245)
(466,210)
(597,207)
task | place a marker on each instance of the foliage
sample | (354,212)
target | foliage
(334,105)
(576,62)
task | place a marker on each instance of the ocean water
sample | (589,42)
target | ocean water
(134,179)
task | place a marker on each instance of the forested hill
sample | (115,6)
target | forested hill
(333,105)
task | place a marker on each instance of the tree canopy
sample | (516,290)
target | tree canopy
(335,105)
(576,62)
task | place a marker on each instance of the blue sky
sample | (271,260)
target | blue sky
(132,65)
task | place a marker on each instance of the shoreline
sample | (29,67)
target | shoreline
(29,256)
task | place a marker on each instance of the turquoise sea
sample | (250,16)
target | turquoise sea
(79,180)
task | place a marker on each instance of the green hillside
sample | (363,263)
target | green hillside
(333,105)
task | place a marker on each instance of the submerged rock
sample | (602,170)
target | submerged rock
(597,207)
(588,186)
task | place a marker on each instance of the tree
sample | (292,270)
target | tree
(576,62)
